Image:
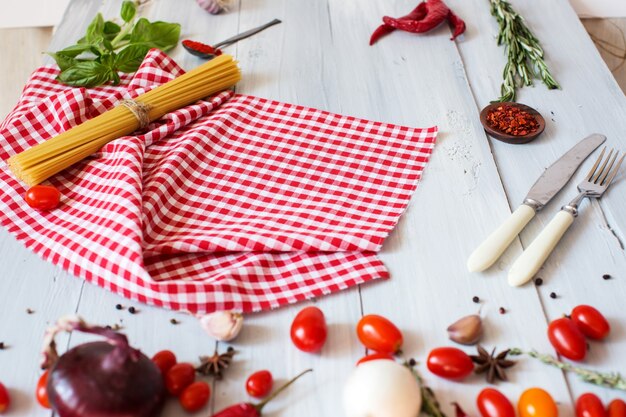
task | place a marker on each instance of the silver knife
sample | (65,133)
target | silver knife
(547,186)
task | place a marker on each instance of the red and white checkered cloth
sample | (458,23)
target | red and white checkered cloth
(237,202)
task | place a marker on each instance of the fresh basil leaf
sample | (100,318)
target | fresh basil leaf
(63,61)
(128,11)
(74,50)
(111,30)
(130,58)
(95,30)
(86,74)
(160,35)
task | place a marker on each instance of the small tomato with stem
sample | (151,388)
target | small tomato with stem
(589,405)
(536,402)
(590,322)
(567,339)
(379,334)
(260,384)
(449,363)
(492,403)
(41,392)
(308,330)
(195,396)
(617,408)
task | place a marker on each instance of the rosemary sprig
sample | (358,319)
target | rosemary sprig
(608,380)
(524,53)
(430,405)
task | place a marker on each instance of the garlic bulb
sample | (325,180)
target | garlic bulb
(467,330)
(213,6)
(222,325)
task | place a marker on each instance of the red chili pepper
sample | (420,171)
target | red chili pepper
(416,14)
(434,12)
(254,410)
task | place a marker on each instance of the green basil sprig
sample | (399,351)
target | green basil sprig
(108,48)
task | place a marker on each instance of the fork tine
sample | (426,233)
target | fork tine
(596,177)
(608,169)
(615,170)
(593,168)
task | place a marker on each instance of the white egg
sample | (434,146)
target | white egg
(382,388)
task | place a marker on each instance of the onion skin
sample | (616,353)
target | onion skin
(101,379)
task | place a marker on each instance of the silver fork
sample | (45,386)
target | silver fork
(593,186)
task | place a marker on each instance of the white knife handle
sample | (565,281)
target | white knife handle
(496,243)
(529,262)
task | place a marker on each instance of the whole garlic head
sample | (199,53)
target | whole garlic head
(222,325)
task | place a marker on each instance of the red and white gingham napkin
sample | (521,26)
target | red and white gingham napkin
(237,202)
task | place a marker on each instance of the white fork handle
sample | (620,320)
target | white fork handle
(529,262)
(496,243)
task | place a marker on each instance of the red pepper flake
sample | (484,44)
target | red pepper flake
(512,120)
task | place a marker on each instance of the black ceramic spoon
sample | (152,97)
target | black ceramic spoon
(229,41)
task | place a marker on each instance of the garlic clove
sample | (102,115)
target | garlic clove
(214,6)
(222,325)
(466,330)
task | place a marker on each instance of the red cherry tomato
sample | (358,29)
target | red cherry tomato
(492,403)
(567,339)
(308,330)
(179,377)
(617,408)
(375,357)
(42,197)
(195,396)
(589,405)
(379,334)
(41,392)
(260,384)
(5,400)
(450,363)
(590,322)
(164,359)
(535,402)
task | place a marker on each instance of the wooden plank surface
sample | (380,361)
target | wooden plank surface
(319,57)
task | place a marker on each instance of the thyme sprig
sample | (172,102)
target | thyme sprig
(430,405)
(604,379)
(524,53)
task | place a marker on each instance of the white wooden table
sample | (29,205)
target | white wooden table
(319,56)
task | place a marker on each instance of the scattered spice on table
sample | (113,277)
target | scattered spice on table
(426,16)
(524,53)
(476,299)
(539,282)
(2,346)
(132,310)
(491,364)
(119,306)
(502,310)
(606,277)
(30,311)
(512,120)
(174,321)
(553,295)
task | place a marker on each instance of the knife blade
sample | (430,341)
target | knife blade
(543,190)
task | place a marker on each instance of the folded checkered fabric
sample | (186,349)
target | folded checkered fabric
(236,202)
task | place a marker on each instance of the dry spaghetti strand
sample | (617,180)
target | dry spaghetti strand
(40,162)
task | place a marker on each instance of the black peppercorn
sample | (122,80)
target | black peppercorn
(538,281)
(552,295)
(119,306)
(174,321)
(502,310)
(1,345)
(132,310)
(606,276)
(476,299)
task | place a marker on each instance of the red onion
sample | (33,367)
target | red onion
(98,379)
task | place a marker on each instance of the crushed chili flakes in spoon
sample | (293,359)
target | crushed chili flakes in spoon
(512,120)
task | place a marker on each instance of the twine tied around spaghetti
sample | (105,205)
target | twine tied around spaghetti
(140,110)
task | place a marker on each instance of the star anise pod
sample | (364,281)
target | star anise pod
(214,365)
(491,364)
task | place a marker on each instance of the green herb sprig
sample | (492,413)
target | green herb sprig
(524,53)
(108,48)
(430,405)
(603,379)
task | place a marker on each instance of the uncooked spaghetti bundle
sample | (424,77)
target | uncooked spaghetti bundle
(40,162)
